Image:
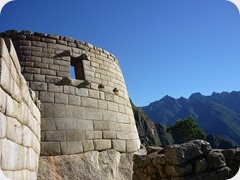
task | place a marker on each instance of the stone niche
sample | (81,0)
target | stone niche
(89,112)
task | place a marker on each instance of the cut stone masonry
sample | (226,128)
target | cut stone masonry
(19,119)
(91,112)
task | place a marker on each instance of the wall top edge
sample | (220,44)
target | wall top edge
(29,35)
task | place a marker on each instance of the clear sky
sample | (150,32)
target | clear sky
(165,47)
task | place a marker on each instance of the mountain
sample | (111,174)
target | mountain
(217,114)
(147,130)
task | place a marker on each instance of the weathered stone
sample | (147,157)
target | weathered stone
(200,166)
(109,134)
(88,145)
(71,147)
(215,160)
(93,135)
(55,136)
(65,124)
(119,145)
(85,125)
(179,154)
(102,144)
(50,148)
(133,145)
(101,125)
(179,170)
(94,165)
(75,135)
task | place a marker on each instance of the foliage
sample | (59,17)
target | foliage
(186,130)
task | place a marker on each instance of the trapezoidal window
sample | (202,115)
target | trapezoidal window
(76,69)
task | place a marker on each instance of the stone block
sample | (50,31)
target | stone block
(65,123)
(26,137)
(133,145)
(71,147)
(46,96)
(55,136)
(101,125)
(3,125)
(102,144)
(85,125)
(41,65)
(64,68)
(122,135)
(63,74)
(102,104)
(88,145)
(47,60)
(3,100)
(133,135)
(54,88)
(55,110)
(76,112)
(48,72)
(114,126)
(74,100)
(109,135)
(93,135)
(5,78)
(126,127)
(39,77)
(94,93)
(61,98)
(112,106)
(75,135)
(38,43)
(109,115)
(54,67)
(119,145)
(102,95)
(82,92)
(94,114)
(122,118)
(14,130)
(9,155)
(121,108)
(69,89)
(91,103)
(50,148)
(38,86)
(32,70)
(128,110)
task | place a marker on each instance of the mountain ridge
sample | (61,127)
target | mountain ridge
(217,114)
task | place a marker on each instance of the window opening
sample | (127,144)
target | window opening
(76,69)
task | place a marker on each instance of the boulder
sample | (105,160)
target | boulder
(105,165)
(181,153)
(215,160)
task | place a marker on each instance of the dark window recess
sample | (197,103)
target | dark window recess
(76,69)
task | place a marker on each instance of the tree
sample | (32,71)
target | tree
(186,130)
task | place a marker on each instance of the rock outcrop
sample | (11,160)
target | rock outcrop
(191,160)
(105,165)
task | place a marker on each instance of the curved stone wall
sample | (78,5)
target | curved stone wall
(91,112)
(19,119)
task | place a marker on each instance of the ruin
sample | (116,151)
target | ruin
(84,102)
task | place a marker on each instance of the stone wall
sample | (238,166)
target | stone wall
(192,160)
(19,119)
(90,112)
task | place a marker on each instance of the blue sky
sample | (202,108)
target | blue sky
(165,47)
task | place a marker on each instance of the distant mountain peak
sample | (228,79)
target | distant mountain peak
(218,113)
